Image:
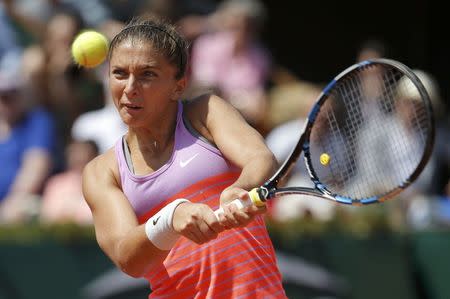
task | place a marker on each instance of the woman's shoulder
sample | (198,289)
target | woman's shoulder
(197,112)
(203,106)
(104,163)
(100,178)
(202,103)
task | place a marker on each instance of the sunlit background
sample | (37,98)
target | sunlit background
(284,52)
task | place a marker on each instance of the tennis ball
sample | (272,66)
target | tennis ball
(324,159)
(89,49)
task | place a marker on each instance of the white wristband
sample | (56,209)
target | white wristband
(159,228)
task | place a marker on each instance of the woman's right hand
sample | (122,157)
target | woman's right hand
(196,222)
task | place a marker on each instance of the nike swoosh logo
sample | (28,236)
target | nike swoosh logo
(184,163)
(156,220)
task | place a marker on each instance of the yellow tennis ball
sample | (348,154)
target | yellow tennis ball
(89,49)
(324,159)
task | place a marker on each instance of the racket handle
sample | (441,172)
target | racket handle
(253,199)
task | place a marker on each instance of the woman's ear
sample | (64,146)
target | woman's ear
(179,88)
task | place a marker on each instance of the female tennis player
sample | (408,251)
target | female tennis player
(153,194)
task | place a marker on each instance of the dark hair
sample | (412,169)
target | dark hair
(161,34)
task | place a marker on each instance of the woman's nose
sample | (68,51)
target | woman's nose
(131,86)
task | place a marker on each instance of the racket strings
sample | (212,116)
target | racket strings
(334,146)
(392,91)
(333,132)
(374,132)
(394,137)
(419,123)
(369,93)
(388,90)
(349,92)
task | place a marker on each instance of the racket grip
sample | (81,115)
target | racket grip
(253,199)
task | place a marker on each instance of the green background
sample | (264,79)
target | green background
(57,263)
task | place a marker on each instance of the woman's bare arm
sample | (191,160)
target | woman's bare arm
(116,227)
(240,143)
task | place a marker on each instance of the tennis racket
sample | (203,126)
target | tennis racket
(366,139)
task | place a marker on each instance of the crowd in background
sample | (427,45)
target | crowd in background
(55,116)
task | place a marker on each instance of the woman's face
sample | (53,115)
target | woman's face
(142,83)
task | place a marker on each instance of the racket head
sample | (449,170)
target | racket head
(374,122)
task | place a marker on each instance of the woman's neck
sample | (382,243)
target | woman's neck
(150,148)
(156,136)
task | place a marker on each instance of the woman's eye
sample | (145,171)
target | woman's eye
(118,72)
(149,74)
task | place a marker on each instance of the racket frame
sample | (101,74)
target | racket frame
(270,188)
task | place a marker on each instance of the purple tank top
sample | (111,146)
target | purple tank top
(192,160)
(239,263)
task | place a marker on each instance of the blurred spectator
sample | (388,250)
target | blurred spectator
(60,86)
(193,17)
(433,179)
(63,200)
(103,126)
(372,48)
(232,60)
(386,158)
(425,214)
(281,140)
(289,98)
(33,15)
(10,51)
(439,173)
(428,201)
(108,124)
(443,209)
(27,143)
(71,90)
(290,101)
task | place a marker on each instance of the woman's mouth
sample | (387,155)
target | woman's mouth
(133,107)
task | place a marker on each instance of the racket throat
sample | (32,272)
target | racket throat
(263,193)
